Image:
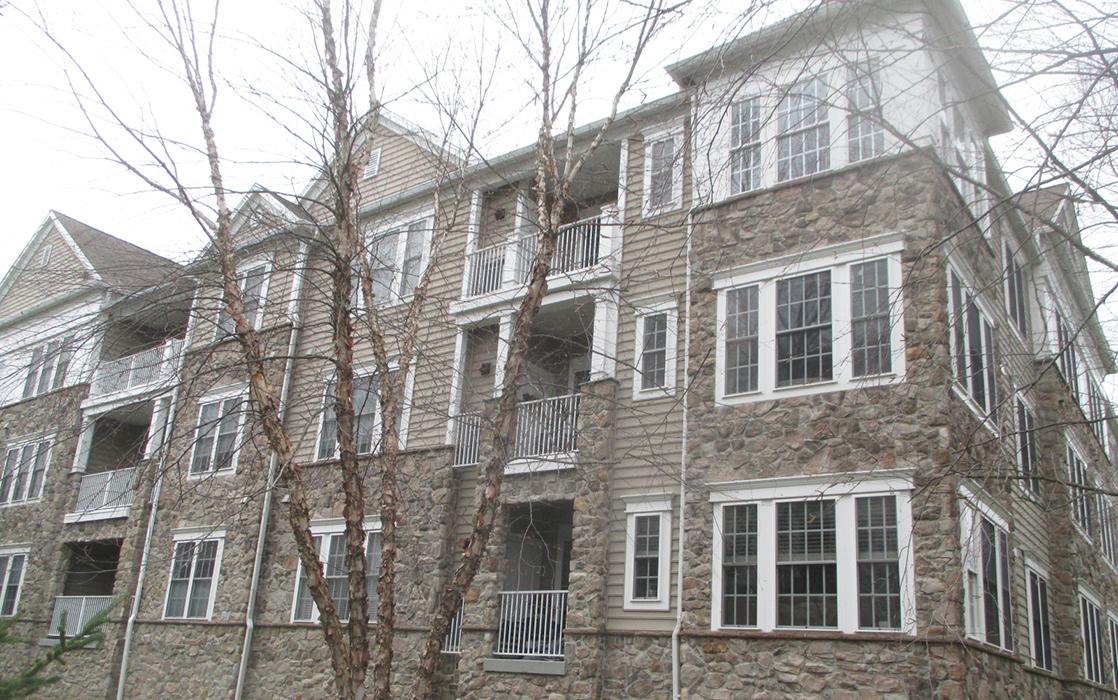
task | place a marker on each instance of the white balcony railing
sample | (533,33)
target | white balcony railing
(531,623)
(578,246)
(104,492)
(543,427)
(78,611)
(453,642)
(143,369)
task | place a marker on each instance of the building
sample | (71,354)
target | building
(812,396)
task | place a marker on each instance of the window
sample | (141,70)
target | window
(1016,293)
(1027,461)
(216,435)
(871,351)
(741,340)
(745,145)
(986,563)
(803,146)
(329,540)
(398,257)
(1106,529)
(972,346)
(194,573)
(663,176)
(1040,632)
(252,280)
(1112,626)
(648,547)
(25,468)
(655,350)
(1091,634)
(864,123)
(1097,412)
(784,554)
(44,255)
(787,329)
(367,417)
(46,370)
(1067,360)
(1082,501)
(13,563)
(804,350)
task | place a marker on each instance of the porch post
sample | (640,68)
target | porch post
(503,339)
(603,351)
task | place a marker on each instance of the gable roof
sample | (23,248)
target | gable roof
(118,263)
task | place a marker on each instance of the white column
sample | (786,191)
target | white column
(514,262)
(603,351)
(157,429)
(472,231)
(504,337)
(85,442)
(457,374)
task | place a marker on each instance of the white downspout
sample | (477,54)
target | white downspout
(266,511)
(680,568)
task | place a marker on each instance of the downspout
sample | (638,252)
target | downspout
(680,569)
(266,511)
(157,489)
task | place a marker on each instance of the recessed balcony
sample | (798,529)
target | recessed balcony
(147,370)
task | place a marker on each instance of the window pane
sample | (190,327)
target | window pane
(646,557)
(807,588)
(383,263)
(180,579)
(869,306)
(328,434)
(38,470)
(739,565)
(204,438)
(803,338)
(990,599)
(337,574)
(226,445)
(803,147)
(865,130)
(879,580)
(11,589)
(741,340)
(661,173)
(413,257)
(1041,634)
(745,146)
(654,353)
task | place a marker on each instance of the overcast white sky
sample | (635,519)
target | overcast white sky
(45,165)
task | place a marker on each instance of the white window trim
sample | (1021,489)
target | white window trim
(675,132)
(1032,567)
(1007,253)
(838,259)
(1070,443)
(844,488)
(1031,406)
(44,345)
(987,420)
(972,504)
(361,372)
(1083,591)
(238,441)
(401,222)
(243,268)
(19,443)
(15,550)
(321,528)
(671,311)
(661,505)
(196,535)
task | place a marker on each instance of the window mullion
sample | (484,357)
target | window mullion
(766,336)
(846,560)
(842,358)
(766,565)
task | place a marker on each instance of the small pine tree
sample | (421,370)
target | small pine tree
(32,679)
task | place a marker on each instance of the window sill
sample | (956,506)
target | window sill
(831,385)
(665,392)
(28,502)
(648,212)
(543,668)
(646,605)
(202,476)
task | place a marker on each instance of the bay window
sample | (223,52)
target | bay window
(799,325)
(329,542)
(814,552)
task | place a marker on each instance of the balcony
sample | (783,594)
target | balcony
(546,430)
(103,496)
(500,269)
(531,624)
(73,612)
(143,371)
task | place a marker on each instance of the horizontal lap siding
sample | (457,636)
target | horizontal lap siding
(36,283)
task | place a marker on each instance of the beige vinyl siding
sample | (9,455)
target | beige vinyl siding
(34,284)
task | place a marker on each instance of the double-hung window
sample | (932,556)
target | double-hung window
(655,350)
(824,552)
(195,566)
(1016,292)
(972,345)
(785,330)
(397,257)
(648,547)
(1040,631)
(217,434)
(13,564)
(1106,529)
(1082,500)
(864,122)
(987,585)
(367,416)
(1091,636)
(663,171)
(329,541)
(252,280)
(1097,412)
(745,145)
(1028,464)
(803,144)
(1067,360)
(1112,627)
(25,468)
(46,368)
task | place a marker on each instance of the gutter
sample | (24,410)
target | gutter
(680,569)
(266,510)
